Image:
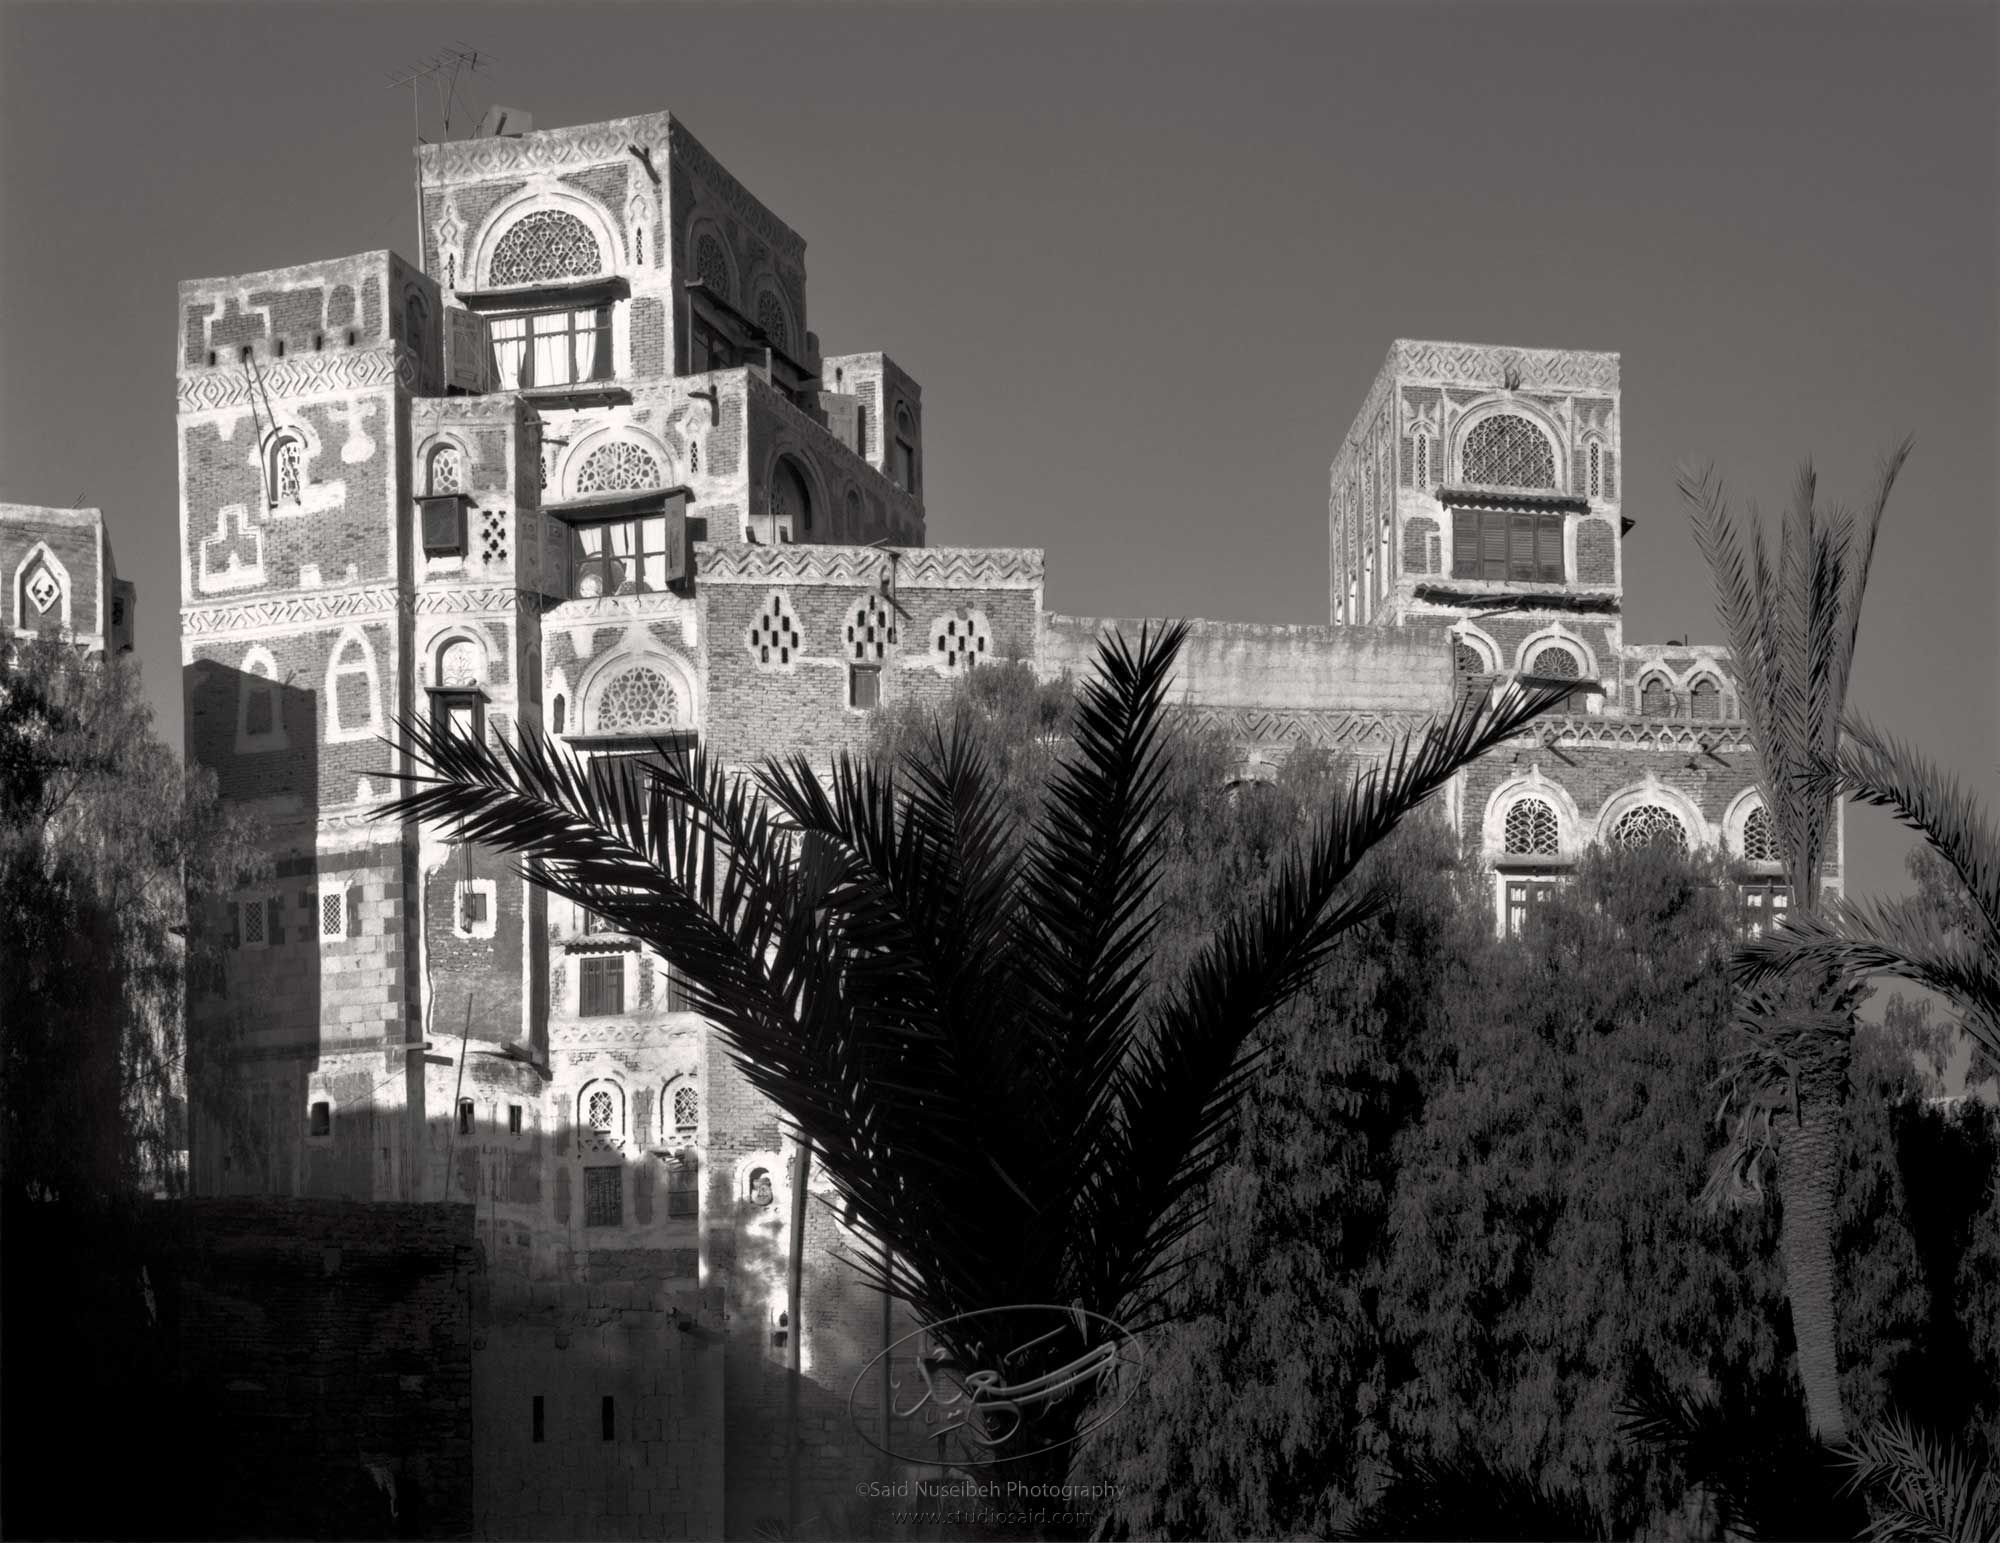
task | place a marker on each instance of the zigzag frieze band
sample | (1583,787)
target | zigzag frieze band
(293,610)
(1542,369)
(1330,730)
(303,375)
(931,567)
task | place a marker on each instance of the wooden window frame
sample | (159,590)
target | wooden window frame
(1509,546)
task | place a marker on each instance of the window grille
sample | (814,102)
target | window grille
(1705,700)
(1506,451)
(253,924)
(601,989)
(445,470)
(287,470)
(1423,462)
(618,467)
(619,557)
(711,266)
(333,915)
(1468,659)
(603,1198)
(638,698)
(1596,469)
(602,1110)
(771,322)
(1760,844)
(1555,664)
(1649,825)
(687,1111)
(1531,829)
(543,245)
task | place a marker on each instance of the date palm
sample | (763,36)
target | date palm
(1792,619)
(954,1015)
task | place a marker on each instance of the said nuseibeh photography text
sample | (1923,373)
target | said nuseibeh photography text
(1276,823)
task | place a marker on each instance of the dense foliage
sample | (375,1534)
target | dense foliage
(103,836)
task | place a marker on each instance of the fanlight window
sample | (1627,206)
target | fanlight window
(445,470)
(287,469)
(543,245)
(619,467)
(771,320)
(1760,844)
(1555,664)
(637,699)
(1649,825)
(1469,659)
(1532,830)
(458,665)
(687,1111)
(711,266)
(1509,452)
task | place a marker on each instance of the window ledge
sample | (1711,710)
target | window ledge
(584,393)
(1513,498)
(596,943)
(613,506)
(1518,862)
(528,297)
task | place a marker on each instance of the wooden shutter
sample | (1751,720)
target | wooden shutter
(274,926)
(1521,547)
(1493,544)
(1549,549)
(1464,544)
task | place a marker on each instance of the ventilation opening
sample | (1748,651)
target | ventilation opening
(465,1117)
(245,354)
(350,338)
(610,1418)
(211,356)
(513,1119)
(319,342)
(538,1418)
(279,348)
(322,1120)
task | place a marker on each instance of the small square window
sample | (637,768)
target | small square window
(603,1197)
(513,1119)
(320,1121)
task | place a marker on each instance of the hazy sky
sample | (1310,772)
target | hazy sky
(1145,260)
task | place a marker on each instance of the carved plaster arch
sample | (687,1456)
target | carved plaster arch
(1737,815)
(584,445)
(1653,791)
(1530,784)
(1501,404)
(607,667)
(442,640)
(1480,640)
(544,192)
(1555,632)
(427,449)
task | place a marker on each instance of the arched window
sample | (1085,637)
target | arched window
(545,244)
(600,1111)
(637,698)
(1705,699)
(711,266)
(459,663)
(1531,829)
(353,690)
(1559,663)
(559,712)
(1508,451)
(445,471)
(771,321)
(684,1111)
(259,725)
(288,465)
(1655,700)
(1760,845)
(617,467)
(416,320)
(791,501)
(1650,825)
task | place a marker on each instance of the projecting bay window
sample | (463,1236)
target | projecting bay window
(552,348)
(623,557)
(1504,546)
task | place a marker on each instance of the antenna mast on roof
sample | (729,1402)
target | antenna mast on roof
(445,67)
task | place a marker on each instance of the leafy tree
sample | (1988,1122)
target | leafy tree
(958,1019)
(1792,619)
(103,836)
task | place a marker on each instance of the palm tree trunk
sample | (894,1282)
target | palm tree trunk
(1807,1158)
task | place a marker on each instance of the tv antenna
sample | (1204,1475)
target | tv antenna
(444,69)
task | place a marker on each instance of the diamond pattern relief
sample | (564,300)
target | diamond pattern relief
(959,640)
(871,631)
(42,588)
(774,637)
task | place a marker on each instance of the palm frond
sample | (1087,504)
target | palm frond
(1158,1141)
(1923,1489)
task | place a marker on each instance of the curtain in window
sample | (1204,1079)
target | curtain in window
(510,350)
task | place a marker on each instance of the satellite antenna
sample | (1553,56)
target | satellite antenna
(445,68)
